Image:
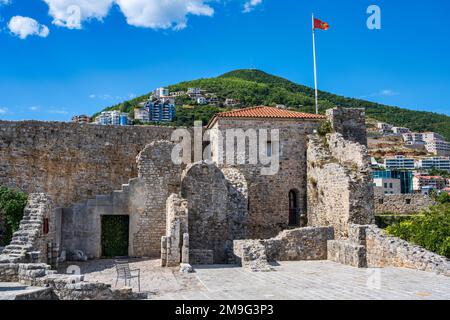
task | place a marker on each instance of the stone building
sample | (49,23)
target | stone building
(275,201)
(270,187)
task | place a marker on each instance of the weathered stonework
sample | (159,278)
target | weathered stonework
(143,200)
(384,250)
(308,243)
(176,228)
(71,162)
(269,194)
(340,191)
(351,123)
(401,203)
(369,246)
(217,209)
(39,214)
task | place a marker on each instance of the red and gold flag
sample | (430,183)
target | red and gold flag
(318,24)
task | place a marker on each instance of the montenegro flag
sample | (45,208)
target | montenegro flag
(320,24)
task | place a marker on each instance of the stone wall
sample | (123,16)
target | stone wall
(176,227)
(61,286)
(384,250)
(308,243)
(340,191)
(217,208)
(71,162)
(349,122)
(143,200)
(369,246)
(402,203)
(269,194)
(32,236)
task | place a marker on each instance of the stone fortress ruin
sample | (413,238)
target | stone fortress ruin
(318,206)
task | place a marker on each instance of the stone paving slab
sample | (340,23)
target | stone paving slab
(317,280)
(10,290)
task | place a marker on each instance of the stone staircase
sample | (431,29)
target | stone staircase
(24,240)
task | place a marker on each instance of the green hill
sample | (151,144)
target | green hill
(254,87)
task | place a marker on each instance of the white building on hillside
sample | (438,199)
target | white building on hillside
(399,162)
(400,130)
(439,163)
(387,186)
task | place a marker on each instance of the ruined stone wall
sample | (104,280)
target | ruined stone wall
(217,210)
(143,200)
(269,194)
(349,122)
(71,162)
(401,203)
(176,227)
(383,250)
(340,191)
(370,246)
(309,243)
(31,235)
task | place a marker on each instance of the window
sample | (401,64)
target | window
(385,185)
(390,185)
(381,201)
(45,226)
(293,208)
(269,148)
(408,201)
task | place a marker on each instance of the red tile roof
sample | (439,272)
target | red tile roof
(266,112)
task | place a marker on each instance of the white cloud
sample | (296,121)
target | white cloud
(251,5)
(3,110)
(163,14)
(5,2)
(34,108)
(24,27)
(72,13)
(155,14)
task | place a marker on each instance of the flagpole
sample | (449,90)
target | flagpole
(315,65)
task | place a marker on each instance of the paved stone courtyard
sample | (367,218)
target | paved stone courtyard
(291,280)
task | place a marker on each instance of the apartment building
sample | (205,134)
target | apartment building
(399,162)
(434,182)
(142,115)
(439,163)
(387,186)
(81,119)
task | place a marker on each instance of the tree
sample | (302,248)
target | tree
(430,229)
(12,205)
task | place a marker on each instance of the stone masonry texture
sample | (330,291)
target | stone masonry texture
(31,236)
(401,203)
(269,194)
(71,162)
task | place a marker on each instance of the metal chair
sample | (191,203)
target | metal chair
(124,272)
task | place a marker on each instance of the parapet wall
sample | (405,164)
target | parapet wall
(307,243)
(350,122)
(71,162)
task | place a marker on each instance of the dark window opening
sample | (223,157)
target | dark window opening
(45,226)
(294,209)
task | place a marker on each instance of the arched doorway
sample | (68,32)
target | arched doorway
(293,208)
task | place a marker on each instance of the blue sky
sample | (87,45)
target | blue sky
(52,66)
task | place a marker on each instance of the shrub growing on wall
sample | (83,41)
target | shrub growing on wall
(12,205)
(431,229)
